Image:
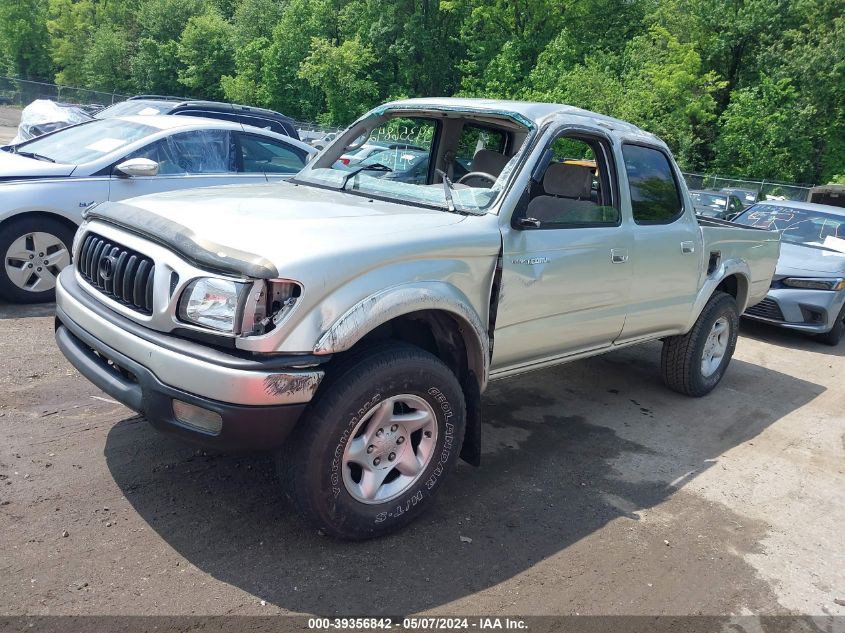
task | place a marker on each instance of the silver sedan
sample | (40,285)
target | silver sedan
(808,290)
(47,183)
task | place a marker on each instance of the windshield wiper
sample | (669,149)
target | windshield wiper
(447,189)
(354,172)
(35,156)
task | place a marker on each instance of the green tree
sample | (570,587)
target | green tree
(290,44)
(341,71)
(766,133)
(70,23)
(246,85)
(24,40)
(207,53)
(105,65)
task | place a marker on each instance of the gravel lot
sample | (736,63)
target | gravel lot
(600,492)
(9,119)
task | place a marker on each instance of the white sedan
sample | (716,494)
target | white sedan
(47,183)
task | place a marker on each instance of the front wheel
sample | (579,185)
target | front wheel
(34,251)
(834,335)
(694,363)
(377,443)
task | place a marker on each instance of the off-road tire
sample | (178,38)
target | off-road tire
(680,363)
(835,334)
(310,463)
(10,232)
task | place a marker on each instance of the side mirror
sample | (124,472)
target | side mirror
(137,167)
(730,216)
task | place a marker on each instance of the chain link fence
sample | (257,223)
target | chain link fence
(22,92)
(765,188)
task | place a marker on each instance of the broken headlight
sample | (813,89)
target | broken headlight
(212,303)
(268,305)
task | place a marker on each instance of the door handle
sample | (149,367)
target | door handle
(618,255)
(687,248)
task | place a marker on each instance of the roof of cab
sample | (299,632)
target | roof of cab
(537,113)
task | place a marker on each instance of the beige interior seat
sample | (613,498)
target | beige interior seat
(489,162)
(567,196)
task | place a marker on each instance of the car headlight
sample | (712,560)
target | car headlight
(212,303)
(812,283)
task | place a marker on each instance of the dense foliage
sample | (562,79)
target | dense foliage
(754,88)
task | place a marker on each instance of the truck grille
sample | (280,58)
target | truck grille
(767,309)
(117,272)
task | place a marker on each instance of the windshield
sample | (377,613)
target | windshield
(797,225)
(133,108)
(421,160)
(87,141)
(716,201)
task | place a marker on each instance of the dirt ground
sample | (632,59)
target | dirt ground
(9,119)
(600,492)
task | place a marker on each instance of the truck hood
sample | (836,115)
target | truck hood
(14,166)
(273,225)
(799,260)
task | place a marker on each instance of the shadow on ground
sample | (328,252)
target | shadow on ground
(788,338)
(14,311)
(557,467)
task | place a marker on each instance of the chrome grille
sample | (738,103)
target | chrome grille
(767,309)
(118,272)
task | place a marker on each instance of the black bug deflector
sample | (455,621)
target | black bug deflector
(182,240)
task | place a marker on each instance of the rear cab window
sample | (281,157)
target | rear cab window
(655,194)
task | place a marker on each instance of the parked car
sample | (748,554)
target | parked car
(713,204)
(144,105)
(368,149)
(746,196)
(47,183)
(354,320)
(808,289)
(832,194)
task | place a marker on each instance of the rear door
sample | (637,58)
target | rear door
(666,256)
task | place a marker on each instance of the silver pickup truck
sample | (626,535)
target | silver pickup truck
(352,317)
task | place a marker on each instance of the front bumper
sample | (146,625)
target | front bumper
(260,400)
(811,311)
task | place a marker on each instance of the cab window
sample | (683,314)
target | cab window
(655,196)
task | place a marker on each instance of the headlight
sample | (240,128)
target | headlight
(212,303)
(810,283)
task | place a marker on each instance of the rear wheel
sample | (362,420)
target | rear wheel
(376,445)
(836,332)
(694,363)
(34,251)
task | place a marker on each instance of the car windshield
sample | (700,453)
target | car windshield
(134,108)
(798,225)
(709,200)
(87,141)
(404,168)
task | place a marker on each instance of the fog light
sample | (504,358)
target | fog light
(197,417)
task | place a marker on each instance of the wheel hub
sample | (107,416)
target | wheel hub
(390,449)
(33,261)
(715,347)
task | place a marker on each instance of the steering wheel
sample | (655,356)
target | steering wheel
(477,174)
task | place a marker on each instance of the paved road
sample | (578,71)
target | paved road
(600,492)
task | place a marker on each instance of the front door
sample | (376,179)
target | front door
(566,272)
(196,158)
